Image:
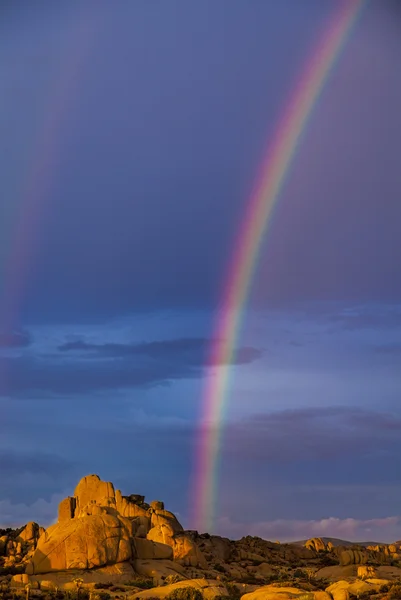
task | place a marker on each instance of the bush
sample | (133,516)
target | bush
(185,593)
(172,579)
(250,580)
(219,568)
(327,561)
(102,596)
(300,574)
(233,591)
(143,583)
(394,592)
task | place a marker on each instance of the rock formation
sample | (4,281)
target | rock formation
(99,526)
(102,536)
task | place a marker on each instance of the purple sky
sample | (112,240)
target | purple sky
(131,136)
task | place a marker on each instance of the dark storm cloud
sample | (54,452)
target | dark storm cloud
(188,350)
(327,454)
(28,476)
(321,434)
(15,339)
(14,462)
(139,365)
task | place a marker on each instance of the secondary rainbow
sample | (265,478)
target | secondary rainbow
(274,171)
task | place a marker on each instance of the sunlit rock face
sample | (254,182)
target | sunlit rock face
(99,526)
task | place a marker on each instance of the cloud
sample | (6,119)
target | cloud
(368,317)
(192,350)
(29,475)
(386,529)
(15,339)
(138,365)
(41,511)
(313,434)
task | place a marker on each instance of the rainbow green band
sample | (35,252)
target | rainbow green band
(259,209)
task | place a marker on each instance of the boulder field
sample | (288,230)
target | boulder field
(103,537)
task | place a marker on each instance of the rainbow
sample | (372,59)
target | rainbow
(37,183)
(259,209)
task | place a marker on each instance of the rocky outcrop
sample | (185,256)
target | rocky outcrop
(316,544)
(210,589)
(86,542)
(366,572)
(17,546)
(353,557)
(98,526)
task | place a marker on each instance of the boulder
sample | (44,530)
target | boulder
(209,588)
(66,509)
(316,544)
(91,489)
(82,543)
(366,572)
(352,557)
(272,592)
(147,549)
(158,569)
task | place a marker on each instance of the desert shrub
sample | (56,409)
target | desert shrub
(327,560)
(250,580)
(219,568)
(273,577)
(185,593)
(172,579)
(81,594)
(300,574)
(394,592)
(102,596)
(320,583)
(144,583)
(234,592)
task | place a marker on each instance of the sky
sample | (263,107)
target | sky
(131,137)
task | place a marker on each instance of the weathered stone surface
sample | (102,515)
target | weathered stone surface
(66,509)
(316,544)
(158,569)
(84,543)
(339,590)
(166,520)
(210,589)
(91,489)
(366,572)
(187,553)
(272,592)
(157,505)
(129,508)
(352,557)
(148,549)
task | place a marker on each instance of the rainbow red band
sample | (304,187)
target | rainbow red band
(259,209)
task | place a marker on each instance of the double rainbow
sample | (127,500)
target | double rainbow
(259,209)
